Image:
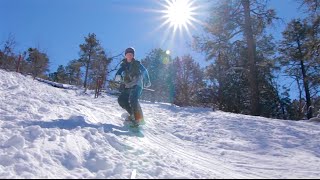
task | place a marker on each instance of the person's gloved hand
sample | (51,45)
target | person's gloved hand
(122,87)
(118,78)
(130,85)
(147,84)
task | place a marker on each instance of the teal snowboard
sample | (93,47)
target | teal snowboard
(132,127)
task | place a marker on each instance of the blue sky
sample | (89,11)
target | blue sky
(58,27)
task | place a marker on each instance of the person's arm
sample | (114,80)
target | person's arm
(145,74)
(118,75)
(120,70)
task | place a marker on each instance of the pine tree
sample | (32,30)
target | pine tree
(253,81)
(8,59)
(295,49)
(38,63)
(159,66)
(61,75)
(74,73)
(234,29)
(188,81)
(99,68)
(89,51)
(313,6)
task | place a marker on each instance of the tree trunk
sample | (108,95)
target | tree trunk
(18,64)
(300,115)
(307,90)
(255,105)
(220,81)
(87,71)
(305,83)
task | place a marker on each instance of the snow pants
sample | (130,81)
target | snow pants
(129,100)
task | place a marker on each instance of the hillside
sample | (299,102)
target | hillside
(47,132)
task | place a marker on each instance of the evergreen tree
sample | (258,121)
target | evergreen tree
(159,65)
(99,68)
(8,60)
(188,81)
(241,68)
(61,75)
(295,52)
(313,6)
(74,73)
(38,63)
(89,51)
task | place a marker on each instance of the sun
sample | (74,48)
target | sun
(179,14)
(177,20)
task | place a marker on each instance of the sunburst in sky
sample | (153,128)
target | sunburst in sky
(178,17)
(179,14)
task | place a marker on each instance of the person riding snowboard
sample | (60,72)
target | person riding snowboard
(134,77)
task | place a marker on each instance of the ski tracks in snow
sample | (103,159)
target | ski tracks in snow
(159,151)
(197,161)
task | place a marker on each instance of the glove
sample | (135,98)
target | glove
(129,85)
(118,78)
(134,81)
(147,84)
(121,88)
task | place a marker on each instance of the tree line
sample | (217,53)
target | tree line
(244,63)
(245,59)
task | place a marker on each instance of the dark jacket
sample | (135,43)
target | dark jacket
(133,73)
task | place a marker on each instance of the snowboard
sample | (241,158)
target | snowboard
(132,127)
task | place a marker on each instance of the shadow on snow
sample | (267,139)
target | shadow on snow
(79,121)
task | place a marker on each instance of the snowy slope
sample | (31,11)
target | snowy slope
(48,132)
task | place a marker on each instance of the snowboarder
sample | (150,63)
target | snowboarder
(134,77)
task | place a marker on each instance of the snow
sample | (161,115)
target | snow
(58,85)
(49,132)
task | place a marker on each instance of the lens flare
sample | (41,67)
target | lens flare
(179,14)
